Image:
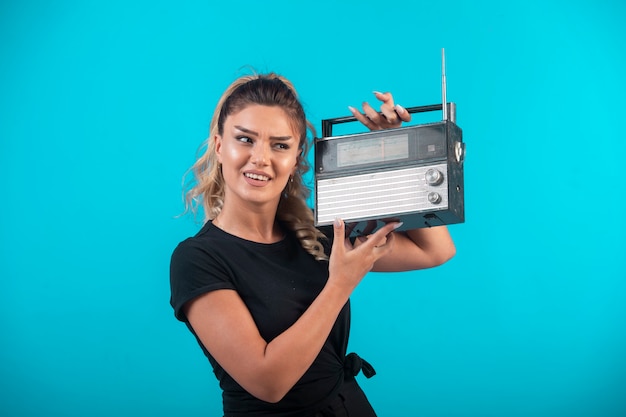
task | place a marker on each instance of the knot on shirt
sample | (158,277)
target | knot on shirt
(354,364)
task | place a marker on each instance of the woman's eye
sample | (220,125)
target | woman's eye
(282,146)
(244,139)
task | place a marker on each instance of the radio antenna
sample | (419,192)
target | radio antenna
(444,105)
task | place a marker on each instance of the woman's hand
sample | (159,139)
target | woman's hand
(349,263)
(390,116)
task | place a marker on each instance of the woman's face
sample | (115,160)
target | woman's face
(259,152)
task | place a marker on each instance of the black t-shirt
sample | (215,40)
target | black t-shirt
(277,282)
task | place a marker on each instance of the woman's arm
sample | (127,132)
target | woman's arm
(269,369)
(418,249)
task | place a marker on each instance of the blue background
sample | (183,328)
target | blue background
(103,105)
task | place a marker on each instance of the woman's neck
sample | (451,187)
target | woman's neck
(254,224)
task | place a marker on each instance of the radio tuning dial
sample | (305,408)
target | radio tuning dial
(434,197)
(434,177)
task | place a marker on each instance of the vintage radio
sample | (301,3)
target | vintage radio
(412,174)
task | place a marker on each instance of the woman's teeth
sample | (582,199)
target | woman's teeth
(257,177)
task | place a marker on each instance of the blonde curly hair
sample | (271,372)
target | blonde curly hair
(207,188)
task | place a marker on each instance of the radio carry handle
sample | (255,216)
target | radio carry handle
(327,124)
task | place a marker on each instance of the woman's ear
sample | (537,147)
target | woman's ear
(218,147)
(297,165)
(298,159)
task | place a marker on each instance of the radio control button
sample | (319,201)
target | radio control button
(434,197)
(434,177)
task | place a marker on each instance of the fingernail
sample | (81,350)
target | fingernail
(399,224)
(399,109)
(352,109)
(378,93)
(337,222)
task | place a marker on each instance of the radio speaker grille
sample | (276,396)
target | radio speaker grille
(378,194)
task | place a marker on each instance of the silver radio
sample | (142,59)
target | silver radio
(412,174)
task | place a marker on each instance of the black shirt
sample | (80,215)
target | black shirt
(277,282)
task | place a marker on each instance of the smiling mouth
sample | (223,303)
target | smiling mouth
(256,176)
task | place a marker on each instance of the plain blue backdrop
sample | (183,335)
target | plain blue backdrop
(102,108)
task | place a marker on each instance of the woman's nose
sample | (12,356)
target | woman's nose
(260,154)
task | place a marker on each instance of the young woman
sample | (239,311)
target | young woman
(265,293)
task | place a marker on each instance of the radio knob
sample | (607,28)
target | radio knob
(434,197)
(434,177)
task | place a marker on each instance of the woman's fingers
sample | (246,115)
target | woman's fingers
(363,119)
(389,116)
(402,113)
(387,109)
(381,239)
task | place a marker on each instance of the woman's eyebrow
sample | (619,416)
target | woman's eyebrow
(252,132)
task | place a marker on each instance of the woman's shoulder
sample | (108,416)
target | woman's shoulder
(199,244)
